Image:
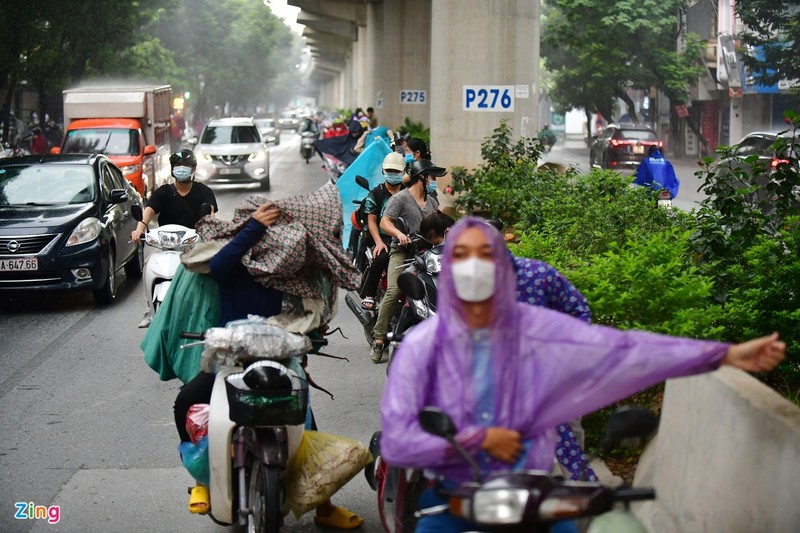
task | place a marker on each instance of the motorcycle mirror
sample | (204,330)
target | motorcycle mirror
(411,286)
(362,181)
(436,422)
(629,421)
(401,224)
(137,213)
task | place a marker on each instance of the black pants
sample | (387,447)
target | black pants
(378,267)
(198,390)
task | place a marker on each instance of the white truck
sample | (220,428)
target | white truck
(130,123)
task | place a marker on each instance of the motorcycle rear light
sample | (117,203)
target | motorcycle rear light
(660,144)
(775,162)
(563,507)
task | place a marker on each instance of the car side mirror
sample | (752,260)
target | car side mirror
(118,196)
(149,149)
(192,140)
(55,150)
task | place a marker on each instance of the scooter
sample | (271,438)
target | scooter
(170,241)
(307,139)
(256,421)
(664,198)
(531,500)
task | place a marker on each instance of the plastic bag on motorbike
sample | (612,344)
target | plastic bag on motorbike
(197,421)
(321,466)
(195,459)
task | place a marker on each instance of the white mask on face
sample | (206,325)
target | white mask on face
(474,279)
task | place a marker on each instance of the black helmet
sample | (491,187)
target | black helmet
(427,168)
(183,158)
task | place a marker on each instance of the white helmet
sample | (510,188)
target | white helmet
(394,161)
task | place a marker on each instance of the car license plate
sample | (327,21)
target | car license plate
(638,149)
(230,171)
(18,265)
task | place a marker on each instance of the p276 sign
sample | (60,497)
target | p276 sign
(497,98)
(413,97)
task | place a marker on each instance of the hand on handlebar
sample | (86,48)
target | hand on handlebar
(502,444)
(136,235)
(403,239)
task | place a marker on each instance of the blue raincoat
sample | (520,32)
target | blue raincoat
(657,173)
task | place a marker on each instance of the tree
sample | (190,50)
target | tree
(773,38)
(599,51)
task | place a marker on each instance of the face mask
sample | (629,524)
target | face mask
(474,279)
(182,174)
(431,187)
(394,178)
(409,158)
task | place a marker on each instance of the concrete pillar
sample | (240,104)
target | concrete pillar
(406,61)
(490,45)
(736,120)
(348,89)
(360,73)
(374,56)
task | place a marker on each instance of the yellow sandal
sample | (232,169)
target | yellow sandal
(199,500)
(340,518)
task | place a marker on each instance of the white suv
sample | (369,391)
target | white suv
(231,151)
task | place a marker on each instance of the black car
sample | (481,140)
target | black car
(65,224)
(622,146)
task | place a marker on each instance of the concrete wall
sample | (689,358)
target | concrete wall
(727,458)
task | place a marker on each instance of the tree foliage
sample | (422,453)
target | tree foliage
(597,51)
(773,29)
(245,53)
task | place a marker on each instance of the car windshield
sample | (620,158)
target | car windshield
(102,141)
(46,185)
(230,134)
(638,135)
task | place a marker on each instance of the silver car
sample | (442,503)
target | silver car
(269,131)
(231,152)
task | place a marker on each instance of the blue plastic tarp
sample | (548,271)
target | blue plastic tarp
(368,165)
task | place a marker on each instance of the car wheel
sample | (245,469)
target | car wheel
(106,294)
(133,268)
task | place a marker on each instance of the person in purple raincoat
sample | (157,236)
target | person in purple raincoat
(507,373)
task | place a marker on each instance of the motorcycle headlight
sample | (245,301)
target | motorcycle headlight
(87,231)
(433,263)
(421,308)
(499,506)
(258,156)
(170,239)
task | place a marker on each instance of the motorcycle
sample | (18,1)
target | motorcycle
(256,420)
(419,283)
(367,317)
(171,241)
(531,500)
(664,198)
(307,139)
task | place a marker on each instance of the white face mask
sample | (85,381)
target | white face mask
(474,279)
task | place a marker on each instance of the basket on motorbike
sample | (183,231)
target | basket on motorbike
(267,393)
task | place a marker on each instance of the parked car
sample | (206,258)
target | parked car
(622,146)
(65,224)
(769,154)
(231,151)
(288,121)
(268,130)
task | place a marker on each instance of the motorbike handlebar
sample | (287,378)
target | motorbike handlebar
(192,335)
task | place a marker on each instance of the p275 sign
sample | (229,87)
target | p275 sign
(497,98)
(413,97)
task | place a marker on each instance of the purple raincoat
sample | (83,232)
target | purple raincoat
(547,367)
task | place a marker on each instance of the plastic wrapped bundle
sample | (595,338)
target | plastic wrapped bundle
(250,340)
